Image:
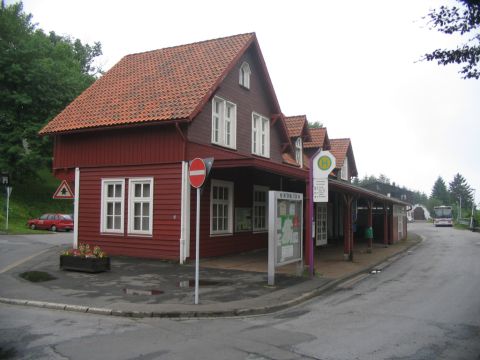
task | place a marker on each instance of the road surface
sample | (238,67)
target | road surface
(424,306)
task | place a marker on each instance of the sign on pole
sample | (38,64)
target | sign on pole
(323,163)
(63,191)
(197,173)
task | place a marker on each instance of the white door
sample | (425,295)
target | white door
(321,224)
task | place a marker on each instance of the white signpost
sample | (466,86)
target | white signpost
(9,192)
(321,165)
(197,173)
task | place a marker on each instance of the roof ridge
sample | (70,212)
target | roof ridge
(293,116)
(189,44)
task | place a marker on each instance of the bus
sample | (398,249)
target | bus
(443,216)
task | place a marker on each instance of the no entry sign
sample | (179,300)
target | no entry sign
(197,173)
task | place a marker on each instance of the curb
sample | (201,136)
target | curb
(239,312)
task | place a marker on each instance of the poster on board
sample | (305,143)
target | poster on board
(285,231)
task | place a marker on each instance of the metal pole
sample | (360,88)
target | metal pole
(197,247)
(460,211)
(473,207)
(311,219)
(9,191)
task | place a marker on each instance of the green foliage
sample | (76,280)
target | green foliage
(440,192)
(463,19)
(30,199)
(315,125)
(459,188)
(39,75)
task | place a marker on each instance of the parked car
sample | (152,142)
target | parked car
(53,222)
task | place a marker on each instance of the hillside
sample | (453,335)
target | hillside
(31,199)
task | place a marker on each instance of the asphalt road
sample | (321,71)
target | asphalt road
(15,249)
(424,306)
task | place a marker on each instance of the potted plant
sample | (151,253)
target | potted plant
(85,259)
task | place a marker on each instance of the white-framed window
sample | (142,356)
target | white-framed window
(112,209)
(260,208)
(140,206)
(299,151)
(244,75)
(344,170)
(224,123)
(221,207)
(260,135)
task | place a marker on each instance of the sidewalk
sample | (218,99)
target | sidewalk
(229,286)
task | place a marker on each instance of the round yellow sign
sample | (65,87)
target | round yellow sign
(324,162)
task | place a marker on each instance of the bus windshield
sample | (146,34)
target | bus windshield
(443,212)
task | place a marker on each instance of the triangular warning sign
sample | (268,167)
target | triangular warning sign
(63,191)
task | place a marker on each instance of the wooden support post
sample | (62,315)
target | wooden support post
(370,226)
(385,225)
(346,233)
(347,228)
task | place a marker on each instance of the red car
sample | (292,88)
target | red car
(53,222)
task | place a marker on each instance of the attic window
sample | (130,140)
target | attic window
(244,75)
(298,151)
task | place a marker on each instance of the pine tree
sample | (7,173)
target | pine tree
(440,192)
(459,188)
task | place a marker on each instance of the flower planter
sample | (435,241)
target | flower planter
(90,265)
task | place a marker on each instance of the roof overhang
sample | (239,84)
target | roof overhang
(264,165)
(364,193)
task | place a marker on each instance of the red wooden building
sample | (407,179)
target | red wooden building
(125,143)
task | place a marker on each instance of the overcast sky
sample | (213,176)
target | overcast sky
(351,65)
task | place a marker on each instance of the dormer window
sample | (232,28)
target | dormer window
(298,151)
(244,75)
(344,170)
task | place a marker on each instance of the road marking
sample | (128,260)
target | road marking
(20,262)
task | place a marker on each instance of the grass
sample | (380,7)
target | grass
(29,200)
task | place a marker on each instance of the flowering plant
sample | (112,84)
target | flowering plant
(85,251)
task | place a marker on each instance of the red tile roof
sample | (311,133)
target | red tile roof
(295,125)
(340,148)
(319,138)
(289,159)
(166,84)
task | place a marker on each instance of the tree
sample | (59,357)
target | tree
(459,188)
(464,20)
(384,179)
(39,75)
(315,125)
(440,192)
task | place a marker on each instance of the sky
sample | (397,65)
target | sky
(351,65)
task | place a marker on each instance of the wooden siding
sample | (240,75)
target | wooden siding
(164,243)
(132,146)
(243,181)
(255,99)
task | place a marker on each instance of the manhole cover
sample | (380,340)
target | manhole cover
(142,292)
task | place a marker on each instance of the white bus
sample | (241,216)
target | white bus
(443,216)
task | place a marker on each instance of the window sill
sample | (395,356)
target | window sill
(260,231)
(221,234)
(224,146)
(104,233)
(261,156)
(139,235)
